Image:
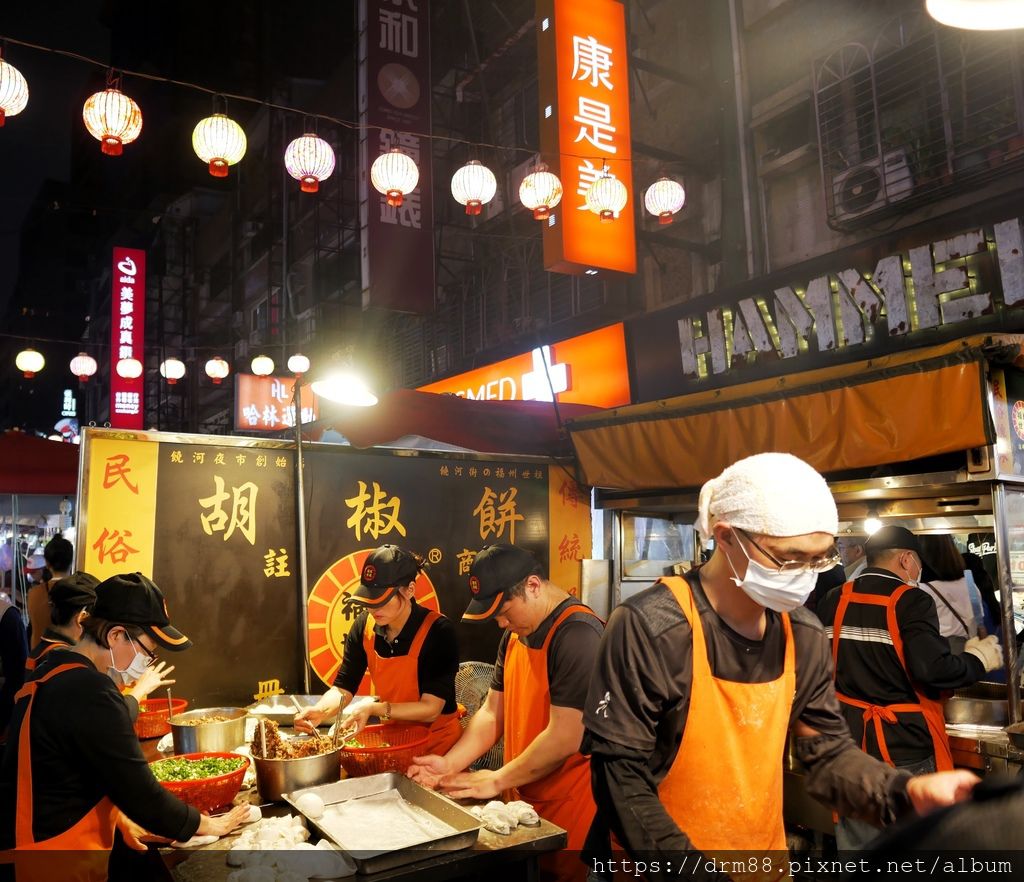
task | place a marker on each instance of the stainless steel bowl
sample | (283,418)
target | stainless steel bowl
(276,777)
(217,737)
(977,711)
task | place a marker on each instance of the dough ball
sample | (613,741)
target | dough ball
(311,805)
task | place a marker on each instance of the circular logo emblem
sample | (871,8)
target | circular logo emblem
(330,621)
(369,573)
(474,584)
(1017,418)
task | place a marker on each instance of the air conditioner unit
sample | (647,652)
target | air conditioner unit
(872,185)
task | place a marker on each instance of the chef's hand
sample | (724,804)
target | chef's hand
(939,789)
(155,676)
(221,825)
(428,770)
(134,835)
(309,719)
(354,723)
(471,785)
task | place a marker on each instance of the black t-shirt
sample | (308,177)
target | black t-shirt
(571,655)
(438,662)
(13,652)
(83,749)
(868,668)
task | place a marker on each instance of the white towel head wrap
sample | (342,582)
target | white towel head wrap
(774,494)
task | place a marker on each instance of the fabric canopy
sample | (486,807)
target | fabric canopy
(36,465)
(525,428)
(886,410)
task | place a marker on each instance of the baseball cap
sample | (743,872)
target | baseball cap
(892,537)
(384,571)
(132,599)
(494,570)
(78,590)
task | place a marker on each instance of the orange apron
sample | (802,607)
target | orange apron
(564,797)
(64,856)
(32,663)
(397,680)
(877,715)
(733,804)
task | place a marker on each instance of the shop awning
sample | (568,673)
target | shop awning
(36,465)
(892,409)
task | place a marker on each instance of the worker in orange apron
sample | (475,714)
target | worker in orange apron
(68,601)
(535,702)
(409,652)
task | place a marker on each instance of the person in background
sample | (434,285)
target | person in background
(851,548)
(411,653)
(13,653)
(545,660)
(68,602)
(891,664)
(57,555)
(958,602)
(993,616)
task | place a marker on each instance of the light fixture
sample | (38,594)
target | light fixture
(298,364)
(310,160)
(13,90)
(872,524)
(344,387)
(262,365)
(540,191)
(607,196)
(113,119)
(978,15)
(664,198)
(172,370)
(83,366)
(217,369)
(395,175)
(129,368)
(29,362)
(474,185)
(220,142)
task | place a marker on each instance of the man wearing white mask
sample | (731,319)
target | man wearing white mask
(701,679)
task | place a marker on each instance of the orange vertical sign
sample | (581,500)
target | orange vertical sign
(584,130)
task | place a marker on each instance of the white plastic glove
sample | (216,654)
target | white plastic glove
(988,651)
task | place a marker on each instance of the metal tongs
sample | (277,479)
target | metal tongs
(316,734)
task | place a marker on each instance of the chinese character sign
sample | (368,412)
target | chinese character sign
(584,108)
(127,335)
(267,404)
(394,96)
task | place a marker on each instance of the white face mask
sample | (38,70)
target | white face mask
(136,667)
(781,592)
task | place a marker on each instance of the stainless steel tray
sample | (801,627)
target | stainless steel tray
(467,825)
(283,708)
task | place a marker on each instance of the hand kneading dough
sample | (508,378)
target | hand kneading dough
(310,805)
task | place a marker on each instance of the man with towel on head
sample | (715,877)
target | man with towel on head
(701,678)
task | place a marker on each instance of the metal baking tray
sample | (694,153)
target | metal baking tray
(283,708)
(467,825)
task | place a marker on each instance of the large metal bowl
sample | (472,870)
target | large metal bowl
(976,711)
(276,777)
(208,737)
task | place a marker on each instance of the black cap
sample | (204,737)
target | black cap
(78,590)
(386,570)
(495,569)
(892,537)
(132,599)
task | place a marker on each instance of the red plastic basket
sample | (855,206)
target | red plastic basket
(154,720)
(206,794)
(403,740)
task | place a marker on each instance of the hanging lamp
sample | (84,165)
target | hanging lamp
(172,370)
(217,369)
(219,142)
(474,185)
(30,362)
(13,90)
(395,175)
(83,366)
(310,160)
(112,118)
(540,191)
(664,198)
(607,196)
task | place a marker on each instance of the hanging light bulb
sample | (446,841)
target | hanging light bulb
(310,160)
(220,142)
(607,196)
(395,175)
(540,191)
(474,185)
(83,366)
(298,364)
(345,387)
(262,365)
(978,15)
(217,369)
(13,90)
(664,198)
(172,370)
(29,362)
(129,368)
(113,119)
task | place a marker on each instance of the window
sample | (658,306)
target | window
(652,546)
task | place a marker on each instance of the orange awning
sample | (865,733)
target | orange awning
(885,410)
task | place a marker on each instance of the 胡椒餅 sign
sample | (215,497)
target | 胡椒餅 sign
(127,335)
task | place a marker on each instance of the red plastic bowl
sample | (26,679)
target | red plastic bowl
(403,740)
(153,720)
(206,794)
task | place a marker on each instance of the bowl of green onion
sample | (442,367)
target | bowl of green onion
(204,780)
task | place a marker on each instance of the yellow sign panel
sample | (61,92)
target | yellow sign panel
(121,524)
(569,525)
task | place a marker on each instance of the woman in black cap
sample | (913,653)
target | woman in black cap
(73,771)
(410,652)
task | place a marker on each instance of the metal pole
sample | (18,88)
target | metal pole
(300,524)
(1006,600)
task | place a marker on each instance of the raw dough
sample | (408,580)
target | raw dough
(311,805)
